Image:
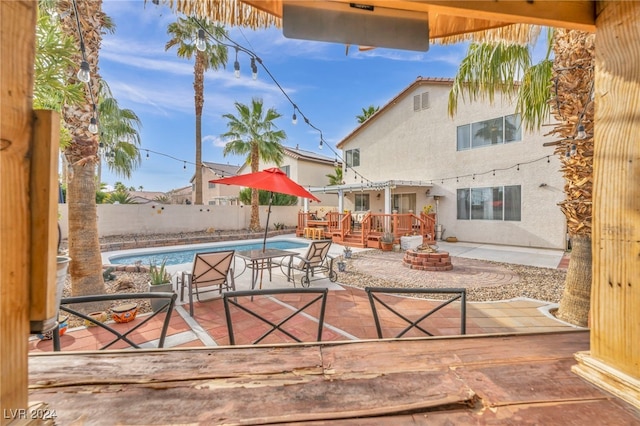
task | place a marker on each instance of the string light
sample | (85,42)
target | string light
(201,42)
(294,119)
(320,146)
(84,73)
(93,126)
(574,150)
(254,68)
(581,133)
(236,66)
(185,165)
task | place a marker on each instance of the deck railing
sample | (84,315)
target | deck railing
(373,225)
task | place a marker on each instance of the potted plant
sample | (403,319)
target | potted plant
(342,266)
(347,252)
(386,241)
(159,280)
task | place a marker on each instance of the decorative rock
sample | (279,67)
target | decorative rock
(124,283)
(410,242)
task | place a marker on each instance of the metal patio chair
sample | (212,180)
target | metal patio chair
(315,260)
(70,306)
(209,270)
(377,303)
(244,301)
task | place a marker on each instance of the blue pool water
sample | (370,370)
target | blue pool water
(175,257)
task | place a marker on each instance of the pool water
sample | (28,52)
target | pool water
(176,257)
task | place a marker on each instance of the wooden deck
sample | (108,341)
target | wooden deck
(516,379)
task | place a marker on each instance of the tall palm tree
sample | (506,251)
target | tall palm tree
(252,133)
(183,32)
(82,154)
(366,113)
(497,67)
(336,177)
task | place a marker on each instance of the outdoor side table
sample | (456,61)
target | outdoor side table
(259,260)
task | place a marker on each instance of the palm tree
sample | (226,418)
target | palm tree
(366,113)
(119,136)
(252,133)
(492,67)
(183,32)
(82,154)
(336,177)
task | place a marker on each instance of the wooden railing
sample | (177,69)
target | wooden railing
(373,225)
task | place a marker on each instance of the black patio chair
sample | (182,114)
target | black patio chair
(244,301)
(69,304)
(315,260)
(376,302)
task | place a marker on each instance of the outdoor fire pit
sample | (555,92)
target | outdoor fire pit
(427,258)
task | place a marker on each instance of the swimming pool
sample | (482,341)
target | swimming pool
(176,257)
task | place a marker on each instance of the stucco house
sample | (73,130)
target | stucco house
(488,179)
(308,169)
(215,194)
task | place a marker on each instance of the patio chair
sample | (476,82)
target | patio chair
(211,272)
(70,305)
(377,302)
(273,313)
(316,260)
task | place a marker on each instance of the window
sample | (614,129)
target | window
(492,203)
(489,132)
(464,137)
(361,202)
(212,185)
(512,128)
(404,202)
(421,101)
(353,157)
(286,170)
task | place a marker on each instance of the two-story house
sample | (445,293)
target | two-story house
(488,179)
(216,194)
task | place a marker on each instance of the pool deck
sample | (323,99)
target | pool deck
(348,314)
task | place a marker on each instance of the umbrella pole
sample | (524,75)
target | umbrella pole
(266,228)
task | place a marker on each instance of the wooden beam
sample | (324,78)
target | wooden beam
(44,209)
(577,15)
(615,294)
(17,44)
(467,16)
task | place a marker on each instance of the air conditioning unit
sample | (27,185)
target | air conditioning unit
(357,24)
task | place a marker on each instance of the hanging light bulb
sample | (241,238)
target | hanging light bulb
(185,165)
(84,73)
(254,69)
(581,133)
(320,146)
(574,149)
(93,126)
(147,153)
(236,66)
(335,162)
(201,42)
(294,119)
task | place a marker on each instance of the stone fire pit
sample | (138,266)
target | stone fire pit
(425,258)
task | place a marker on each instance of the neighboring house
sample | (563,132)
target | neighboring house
(181,195)
(144,197)
(488,179)
(216,194)
(306,168)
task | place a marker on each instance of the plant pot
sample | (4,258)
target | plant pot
(386,246)
(157,304)
(97,316)
(347,254)
(342,266)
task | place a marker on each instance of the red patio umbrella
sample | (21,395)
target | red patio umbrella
(273,180)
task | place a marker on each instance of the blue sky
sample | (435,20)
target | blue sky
(329,87)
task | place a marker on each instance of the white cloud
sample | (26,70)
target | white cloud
(215,141)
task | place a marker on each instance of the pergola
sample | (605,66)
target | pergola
(28,145)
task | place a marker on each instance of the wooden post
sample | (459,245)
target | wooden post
(44,211)
(614,360)
(17,44)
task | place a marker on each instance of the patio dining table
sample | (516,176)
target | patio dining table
(495,379)
(259,260)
